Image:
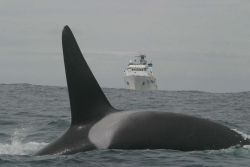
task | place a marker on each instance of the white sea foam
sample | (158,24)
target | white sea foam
(244,135)
(17,147)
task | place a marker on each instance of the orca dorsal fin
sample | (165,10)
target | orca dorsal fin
(87,100)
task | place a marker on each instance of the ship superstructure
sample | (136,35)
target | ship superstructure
(139,74)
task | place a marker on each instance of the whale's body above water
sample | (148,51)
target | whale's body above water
(95,124)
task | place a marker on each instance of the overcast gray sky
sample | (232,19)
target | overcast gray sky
(194,44)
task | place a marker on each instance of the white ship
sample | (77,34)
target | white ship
(139,75)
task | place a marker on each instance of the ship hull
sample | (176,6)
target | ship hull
(140,82)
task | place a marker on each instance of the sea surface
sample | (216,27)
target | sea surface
(32,116)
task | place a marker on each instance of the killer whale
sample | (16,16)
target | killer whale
(95,124)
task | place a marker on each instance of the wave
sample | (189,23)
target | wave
(18,147)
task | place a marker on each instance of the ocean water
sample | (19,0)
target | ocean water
(32,116)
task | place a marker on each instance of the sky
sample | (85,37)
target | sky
(199,45)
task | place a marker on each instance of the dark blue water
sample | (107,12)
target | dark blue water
(32,116)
